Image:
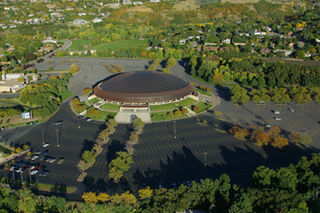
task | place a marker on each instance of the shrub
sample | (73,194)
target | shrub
(196,108)
(177,113)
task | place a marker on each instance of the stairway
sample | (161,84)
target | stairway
(128,117)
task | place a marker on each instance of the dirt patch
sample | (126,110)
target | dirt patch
(140,9)
(186,5)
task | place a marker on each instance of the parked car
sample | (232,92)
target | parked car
(61,160)
(276,112)
(34,157)
(277,118)
(33,172)
(45,145)
(51,160)
(291,110)
(267,125)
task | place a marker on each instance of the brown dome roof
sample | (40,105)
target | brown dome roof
(143,86)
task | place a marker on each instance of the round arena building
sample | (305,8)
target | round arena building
(143,87)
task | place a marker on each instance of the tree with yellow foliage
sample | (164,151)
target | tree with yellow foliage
(279,142)
(90,197)
(103,197)
(145,193)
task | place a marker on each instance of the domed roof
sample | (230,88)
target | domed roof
(142,86)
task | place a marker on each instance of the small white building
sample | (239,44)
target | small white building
(97,20)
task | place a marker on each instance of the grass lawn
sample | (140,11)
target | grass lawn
(202,92)
(111,107)
(172,106)
(66,94)
(9,102)
(50,187)
(99,115)
(162,116)
(114,45)
(203,106)
(93,101)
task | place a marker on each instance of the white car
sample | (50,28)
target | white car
(33,172)
(267,125)
(45,145)
(291,110)
(276,112)
(277,118)
(34,157)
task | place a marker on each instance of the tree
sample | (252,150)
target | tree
(239,132)
(90,197)
(239,95)
(119,165)
(138,123)
(242,205)
(274,131)
(145,193)
(87,91)
(262,176)
(103,136)
(295,137)
(305,138)
(103,197)
(261,138)
(88,156)
(74,68)
(279,142)
(154,64)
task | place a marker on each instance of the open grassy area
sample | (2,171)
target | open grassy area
(52,188)
(66,94)
(99,115)
(202,92)
(172,106)
(110,107)
(163,116)
(9,102)
(203,106)
(114,45)
(93,101)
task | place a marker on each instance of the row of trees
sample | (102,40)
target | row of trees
(297,94)
(123,160)
(271,137)
(89,156)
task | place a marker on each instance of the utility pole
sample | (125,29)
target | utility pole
(42,136)
(174,130)
(57,134)
(205,158)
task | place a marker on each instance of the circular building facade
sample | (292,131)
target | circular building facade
(143,87)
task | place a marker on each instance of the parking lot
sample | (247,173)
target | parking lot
(159,160)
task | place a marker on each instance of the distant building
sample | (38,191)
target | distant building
(97,20)
(79,22)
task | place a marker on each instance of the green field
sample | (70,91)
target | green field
(93,101)
(66,94)
(203,106)
(51,188)
(9,102)
(172,106)
(114,45)
(163,116)
(110,107)
(202,92)
(100,115)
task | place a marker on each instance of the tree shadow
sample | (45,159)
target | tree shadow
(223,92)
(87,145)
(113,148)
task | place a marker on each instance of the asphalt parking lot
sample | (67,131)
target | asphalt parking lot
(160,160)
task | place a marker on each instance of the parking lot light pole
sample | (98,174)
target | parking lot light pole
(174,130)
(79,122)
(57,134)
(42,136)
